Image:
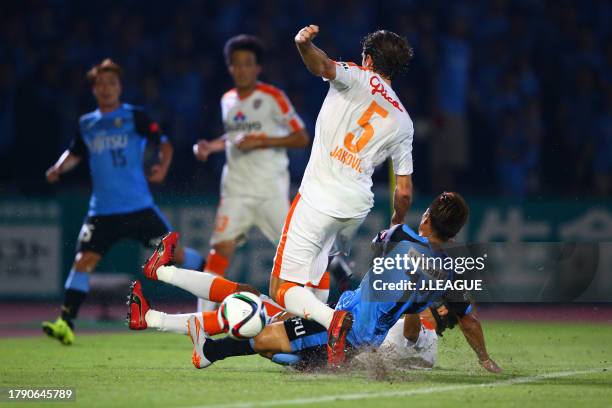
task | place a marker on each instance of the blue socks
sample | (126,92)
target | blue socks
(192,260)
(77,287)
(78,281)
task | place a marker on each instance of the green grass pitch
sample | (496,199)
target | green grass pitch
(546,365)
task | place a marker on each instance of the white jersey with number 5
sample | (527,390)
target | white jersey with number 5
(361,123)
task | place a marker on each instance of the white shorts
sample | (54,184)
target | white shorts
(236,215)
(307,241)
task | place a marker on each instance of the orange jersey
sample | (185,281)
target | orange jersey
(361,123)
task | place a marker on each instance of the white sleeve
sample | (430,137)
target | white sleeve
(402,155)
(285,115)
(347,74)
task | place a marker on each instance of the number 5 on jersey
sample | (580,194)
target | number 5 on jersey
(368,130)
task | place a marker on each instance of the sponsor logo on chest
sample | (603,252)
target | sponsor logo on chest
(239,122)
(102,142)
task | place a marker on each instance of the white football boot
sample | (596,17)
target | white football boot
(198,338)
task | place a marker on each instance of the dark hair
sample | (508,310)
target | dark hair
(390,53)
(108,65)
(448,213)
(244,42)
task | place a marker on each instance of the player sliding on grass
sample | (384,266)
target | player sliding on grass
(260,125)
(375,314)
(301,342)
(416,345)
(113,138)
(361,123)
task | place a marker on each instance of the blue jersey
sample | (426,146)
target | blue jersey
(115,144)
(376,311)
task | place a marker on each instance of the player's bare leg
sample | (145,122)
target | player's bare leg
(217,262)
(77,287)
(272,340)
(412,327)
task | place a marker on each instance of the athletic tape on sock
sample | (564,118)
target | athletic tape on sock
(192,259)
(77,281)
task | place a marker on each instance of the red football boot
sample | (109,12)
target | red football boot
(336,342)
(163,255)
(137,307)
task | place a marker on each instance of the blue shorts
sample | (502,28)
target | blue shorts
(308,340)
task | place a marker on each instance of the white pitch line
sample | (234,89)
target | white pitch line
(404,393)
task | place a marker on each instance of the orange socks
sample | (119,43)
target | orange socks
(216,263)
(211,323)
(220,288)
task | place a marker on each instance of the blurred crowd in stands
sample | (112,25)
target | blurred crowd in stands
(509,98)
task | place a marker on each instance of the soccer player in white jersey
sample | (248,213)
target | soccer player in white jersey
(260,124)
(361,123)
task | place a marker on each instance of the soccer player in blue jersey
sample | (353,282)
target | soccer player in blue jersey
(375,313)
(113,139)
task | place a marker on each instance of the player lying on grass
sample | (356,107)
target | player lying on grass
(375,313)
(113,139)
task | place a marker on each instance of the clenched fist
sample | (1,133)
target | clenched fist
(53,174)
(202,150)
(307,34)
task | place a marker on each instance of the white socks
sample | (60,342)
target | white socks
(302,302)
(321,294)
(205,305)
(195,282)
(175,323)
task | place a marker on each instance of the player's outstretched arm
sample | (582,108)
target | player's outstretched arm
(65,163)
(314,58)
(158,172)
(204,148)
(402,198)
(472,330)
(412,327)
(294,140)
